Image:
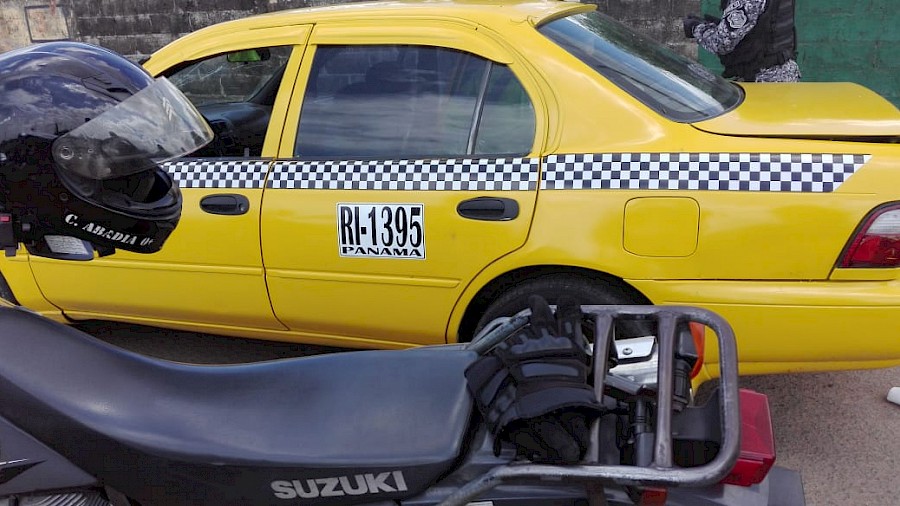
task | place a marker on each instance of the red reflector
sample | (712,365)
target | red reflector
(653,497)
(878,242)
(5,218)
(757,441)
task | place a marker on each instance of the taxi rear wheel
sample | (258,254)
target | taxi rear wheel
(584,289)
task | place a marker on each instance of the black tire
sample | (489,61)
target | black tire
(584,289)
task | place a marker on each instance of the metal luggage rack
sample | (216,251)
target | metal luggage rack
(662,472)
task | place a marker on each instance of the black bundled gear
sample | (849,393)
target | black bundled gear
(532,389)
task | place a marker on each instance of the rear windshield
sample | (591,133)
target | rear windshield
(672,85)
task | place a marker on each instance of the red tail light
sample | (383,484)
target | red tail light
(652,497)
(698,332)
(757,441)
(877,243)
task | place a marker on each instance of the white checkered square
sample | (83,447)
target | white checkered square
(792,172)
(210,173)
(455,174)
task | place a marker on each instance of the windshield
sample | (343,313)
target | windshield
(672,85)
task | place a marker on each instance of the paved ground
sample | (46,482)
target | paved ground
(836,428)
(839,430)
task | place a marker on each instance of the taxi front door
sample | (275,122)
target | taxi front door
(209,276)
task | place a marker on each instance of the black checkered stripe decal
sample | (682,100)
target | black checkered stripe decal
(219,173)
(478,174)
(701,171)
(791,172)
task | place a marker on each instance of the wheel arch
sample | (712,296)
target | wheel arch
(499,284)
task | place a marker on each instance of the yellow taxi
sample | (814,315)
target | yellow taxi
(399,173)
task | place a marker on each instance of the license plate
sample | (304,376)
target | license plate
(381,230)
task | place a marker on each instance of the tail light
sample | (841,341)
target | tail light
(757,441)
(877,242)
(698,332)
(651,497)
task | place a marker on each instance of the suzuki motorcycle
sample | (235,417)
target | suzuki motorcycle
(85,422)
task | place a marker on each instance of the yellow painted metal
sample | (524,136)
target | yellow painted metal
(272,28)
(318,338)
(661,226)
(224,38)
(764,260)
(868,274)
(422,32)
(317,291)
(210,271)
(783,236)
(17,272)
(746,236)
(797,322)
(812,109)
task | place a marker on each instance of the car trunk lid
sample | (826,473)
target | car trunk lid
(837,111)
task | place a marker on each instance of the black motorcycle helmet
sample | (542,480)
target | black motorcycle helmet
(82,133)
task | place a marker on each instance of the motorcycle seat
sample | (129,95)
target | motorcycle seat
(110,411)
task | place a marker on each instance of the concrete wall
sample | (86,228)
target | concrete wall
(24,22)
(839,40)
(136,28)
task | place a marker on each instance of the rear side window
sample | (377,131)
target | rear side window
(674,86)
(411,101)
(507,117)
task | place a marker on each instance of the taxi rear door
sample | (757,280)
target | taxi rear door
(407,164)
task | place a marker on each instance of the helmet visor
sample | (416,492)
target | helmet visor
(152,126)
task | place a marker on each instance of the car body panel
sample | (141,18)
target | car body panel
(761,252)
(790,309)
(221,39)
(812,109)
(313,290)
(16,270)
(193,278)
(405,299)
(211,269)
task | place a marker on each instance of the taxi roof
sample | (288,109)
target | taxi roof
(485,11)
(490,13)
(506,9)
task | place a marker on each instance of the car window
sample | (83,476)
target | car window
(411,101)
(507,120)
(235,93)
(232,77)
(672,85)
